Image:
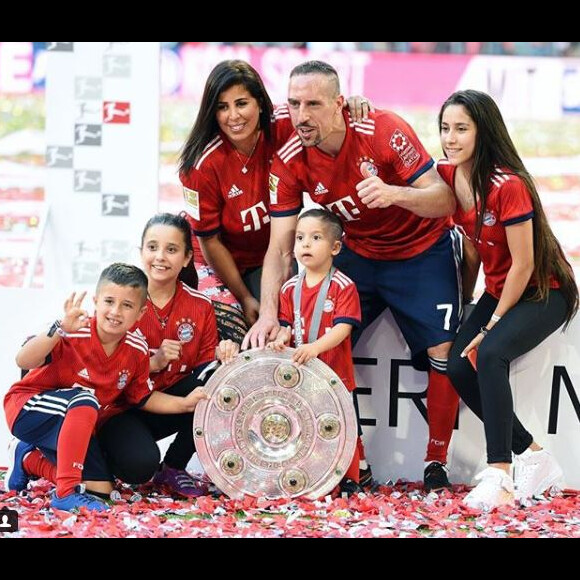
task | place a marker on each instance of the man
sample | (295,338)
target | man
(378,178)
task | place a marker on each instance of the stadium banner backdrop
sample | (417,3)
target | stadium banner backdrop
(524,87)
(102,155)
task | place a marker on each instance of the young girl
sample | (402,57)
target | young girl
(530,289)
(180,327)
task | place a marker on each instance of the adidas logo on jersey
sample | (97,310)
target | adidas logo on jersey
(320,189)
(84,373)
(235,191)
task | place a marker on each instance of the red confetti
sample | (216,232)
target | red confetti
(402,510)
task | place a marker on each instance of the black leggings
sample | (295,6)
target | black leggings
(129,440)
(487,392)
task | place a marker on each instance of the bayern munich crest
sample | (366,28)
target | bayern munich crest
(489,219)
(185,331)
(367,167)
(123,378)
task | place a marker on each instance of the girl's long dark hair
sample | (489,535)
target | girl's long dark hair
(225,75)
(495,153)
(188,275)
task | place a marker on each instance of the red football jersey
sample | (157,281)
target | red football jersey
(223,198)
(509,202)
(80,361)
(386,146)
(191,319)
(342,305)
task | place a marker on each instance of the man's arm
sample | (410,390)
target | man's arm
(428,196)
(277,269)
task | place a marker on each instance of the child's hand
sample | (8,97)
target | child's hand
(305,353)
(226,351)
(75,317)
(190,402)
(277,345)
(281,340)
(169,350)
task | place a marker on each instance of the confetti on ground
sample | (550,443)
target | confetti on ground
(400,510)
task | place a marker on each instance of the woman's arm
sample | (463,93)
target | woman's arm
(521,245)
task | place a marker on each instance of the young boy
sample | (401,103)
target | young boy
(324,294)
(79,367)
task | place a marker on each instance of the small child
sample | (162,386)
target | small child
(79,366)
(319,307)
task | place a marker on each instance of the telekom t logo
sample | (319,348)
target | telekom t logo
(346,207)
(258,216)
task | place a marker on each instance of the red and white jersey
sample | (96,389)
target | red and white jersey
(191,319)
(386,146)
(509,202)
(222,198)
(80,361)
(342,305)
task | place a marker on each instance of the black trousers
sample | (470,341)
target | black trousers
(129,440)
(487,392)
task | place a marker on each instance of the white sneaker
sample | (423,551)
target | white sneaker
(495,488)
(535,472)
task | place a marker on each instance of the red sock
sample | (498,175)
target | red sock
(35,463)
(353,468)
(442,405)
(72,446)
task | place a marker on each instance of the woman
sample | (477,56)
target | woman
(530,289)
(224,168)
(180,328)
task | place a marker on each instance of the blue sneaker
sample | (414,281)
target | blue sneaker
(16,478)
(73,502)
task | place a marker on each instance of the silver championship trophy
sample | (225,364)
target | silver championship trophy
(274,429)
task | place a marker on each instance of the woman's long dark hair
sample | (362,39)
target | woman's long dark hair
(188,275)
(494,154)
(225,75)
